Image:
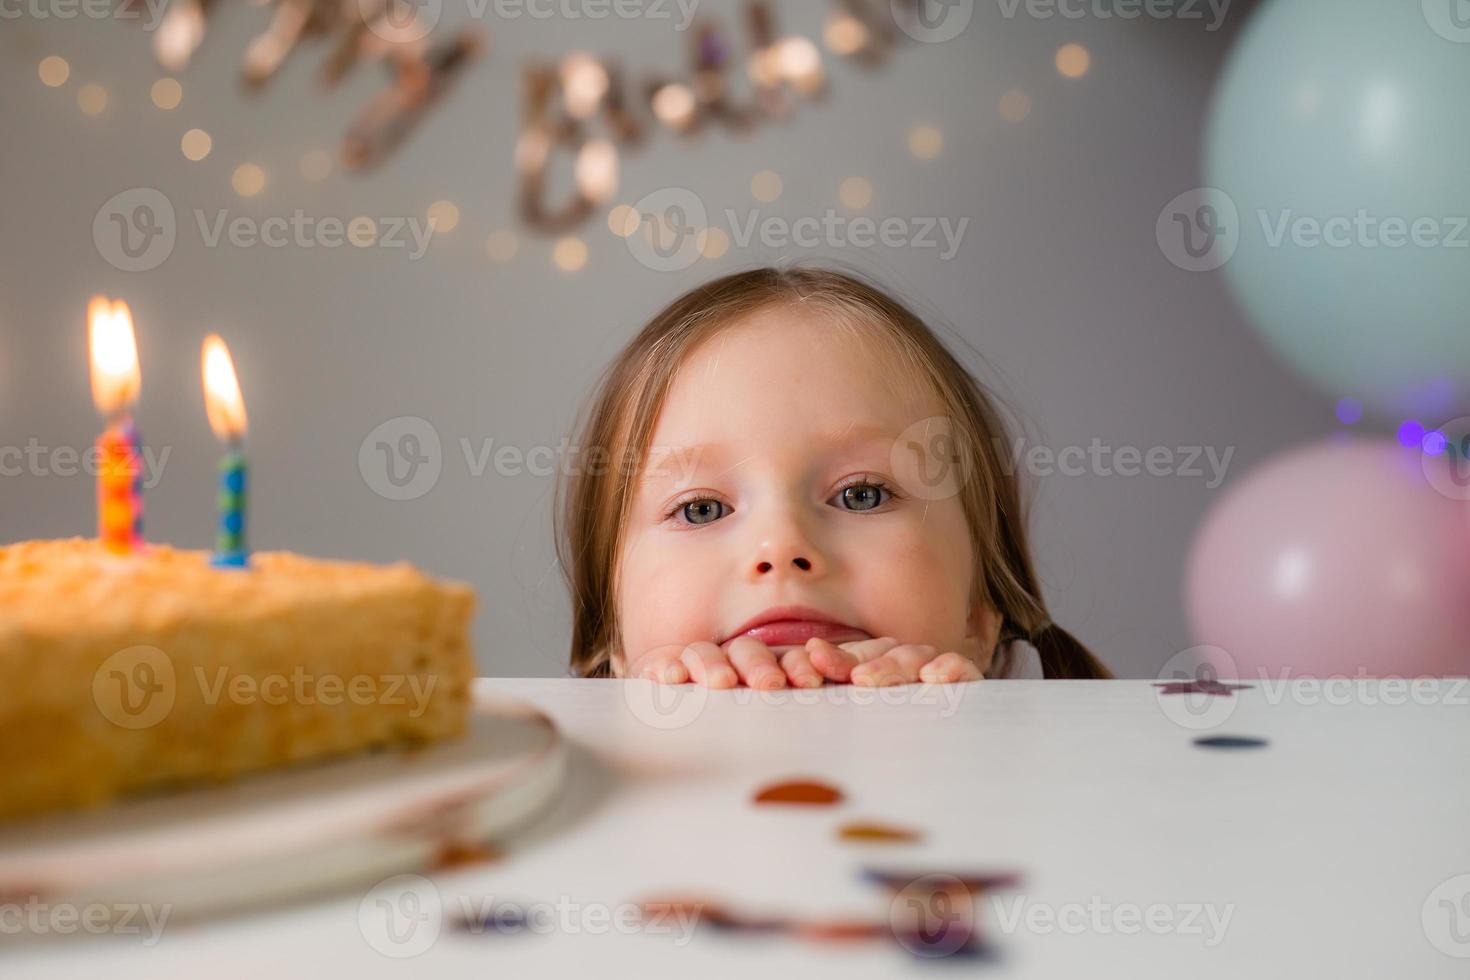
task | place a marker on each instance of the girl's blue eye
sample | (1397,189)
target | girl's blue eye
(867,495)
(703,511)
(862,496)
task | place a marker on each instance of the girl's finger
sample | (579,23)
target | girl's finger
(899,665)
(798,666)
(866,650)
(660,664)
(830,660)
(949,668)
(708,665)
(755,663)
(836,661)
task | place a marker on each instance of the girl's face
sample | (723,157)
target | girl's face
(771,482)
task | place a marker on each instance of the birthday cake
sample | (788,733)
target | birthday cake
(150,671)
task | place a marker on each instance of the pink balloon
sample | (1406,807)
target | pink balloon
(1345,558)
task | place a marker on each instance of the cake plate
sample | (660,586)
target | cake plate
(289,834)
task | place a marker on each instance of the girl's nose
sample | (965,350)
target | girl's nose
(800,562)
(789,552)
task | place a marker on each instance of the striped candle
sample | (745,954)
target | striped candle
(115,385)
(229,547)
(120,487)
(226,409)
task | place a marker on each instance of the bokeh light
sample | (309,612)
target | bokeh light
(797,60)
(713,243)
(196,144)
(1014,105)
(766,186)
(584,82)
(596,170)
(623,220)
(54,71)
(92,99)
(570,254)
(501,246)
(925,142)
(675,105)
(1349,411)
(1073,60)
(443,216)
(844,34)
(1411,433)
(248,180)
(855,193)
(167,93)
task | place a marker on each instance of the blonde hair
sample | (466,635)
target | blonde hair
(594,501)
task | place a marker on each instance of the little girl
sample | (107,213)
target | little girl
(791,480)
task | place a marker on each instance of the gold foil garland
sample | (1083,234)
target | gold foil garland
(579,105)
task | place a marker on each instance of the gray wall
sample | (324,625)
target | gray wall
(1088,331)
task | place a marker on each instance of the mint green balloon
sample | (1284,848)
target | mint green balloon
(1340,132)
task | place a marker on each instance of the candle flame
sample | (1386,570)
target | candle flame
(222,399)
(114,352)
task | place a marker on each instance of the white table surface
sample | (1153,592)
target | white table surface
(1330,849)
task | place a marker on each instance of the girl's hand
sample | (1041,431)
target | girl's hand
(744,659)
(884,661)
(877,662)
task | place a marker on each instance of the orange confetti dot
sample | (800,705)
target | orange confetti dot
(807,793)
(458,855)
(877,832)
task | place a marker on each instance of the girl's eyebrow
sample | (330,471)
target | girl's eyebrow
(673,459)
(854,434)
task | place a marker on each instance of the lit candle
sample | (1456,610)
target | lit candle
(226,410)
(116,381)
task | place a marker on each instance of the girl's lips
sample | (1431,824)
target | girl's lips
(795,632)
